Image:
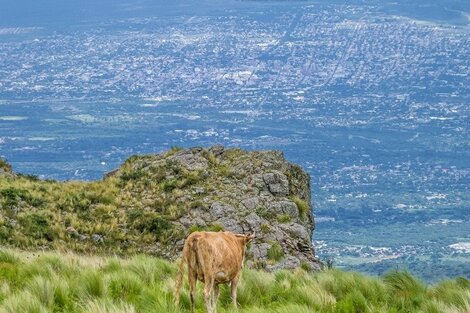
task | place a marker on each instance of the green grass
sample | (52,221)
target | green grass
(302,206)
(275,253)
(64,282)
(283,218)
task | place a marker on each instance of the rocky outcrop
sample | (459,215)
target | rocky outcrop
(152,202)
(239,191)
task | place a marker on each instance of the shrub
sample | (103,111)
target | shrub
(29,177)
(275,253)
(132,175)
(37,226)
(224,171)
(216,227)
(189,178)
(305,266)
(283,218)
(169,185)
(265,228)
(74,200)
(262,212)
(5,231)
(149,222)
(12,196)
(195,228)
(302,206)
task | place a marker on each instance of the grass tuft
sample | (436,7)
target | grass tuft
(275,253)
(302,206)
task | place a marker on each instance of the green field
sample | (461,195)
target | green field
(40,282)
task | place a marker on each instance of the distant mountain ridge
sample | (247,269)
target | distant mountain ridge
(151,202)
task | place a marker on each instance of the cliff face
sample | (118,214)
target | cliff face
(238,191)
(152,202)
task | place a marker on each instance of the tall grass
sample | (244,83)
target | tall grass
(63,282)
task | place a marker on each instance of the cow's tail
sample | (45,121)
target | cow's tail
(187,256)
(179,279)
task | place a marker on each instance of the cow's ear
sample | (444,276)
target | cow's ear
(250,237)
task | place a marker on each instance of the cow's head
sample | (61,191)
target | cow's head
(246,238)
(243,241)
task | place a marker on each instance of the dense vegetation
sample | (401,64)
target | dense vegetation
(64,282)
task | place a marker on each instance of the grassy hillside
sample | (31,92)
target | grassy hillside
(58,282)
(125,213)
(151,202)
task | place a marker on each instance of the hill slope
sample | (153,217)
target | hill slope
(52,282)
(150,203)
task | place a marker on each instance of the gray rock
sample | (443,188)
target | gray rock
(218,209)
(254,222)
(260,250)
(190,160)
(199,221)
(266,196)
(284,207)
(110,173)
(277,183)
(72,231)
(199,191)
(217,149)
(188,222)
(288,262)
(251,203)
(11,221)
(258,182)
(296,230)
(230,224)
(199,213)
(97,238)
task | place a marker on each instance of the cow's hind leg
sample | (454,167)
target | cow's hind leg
(233,290)
(192,277)
(208,285)
(216,297)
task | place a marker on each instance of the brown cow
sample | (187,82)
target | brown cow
(213,258)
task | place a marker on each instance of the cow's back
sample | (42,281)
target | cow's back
(218,254)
